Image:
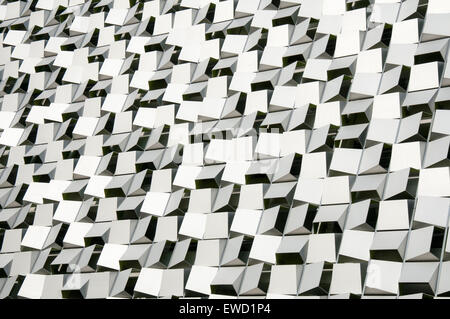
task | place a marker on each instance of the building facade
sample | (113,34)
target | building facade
(238,148)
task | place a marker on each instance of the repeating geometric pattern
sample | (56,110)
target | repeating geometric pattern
(206,148)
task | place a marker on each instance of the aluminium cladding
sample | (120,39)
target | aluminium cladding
(205,148)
